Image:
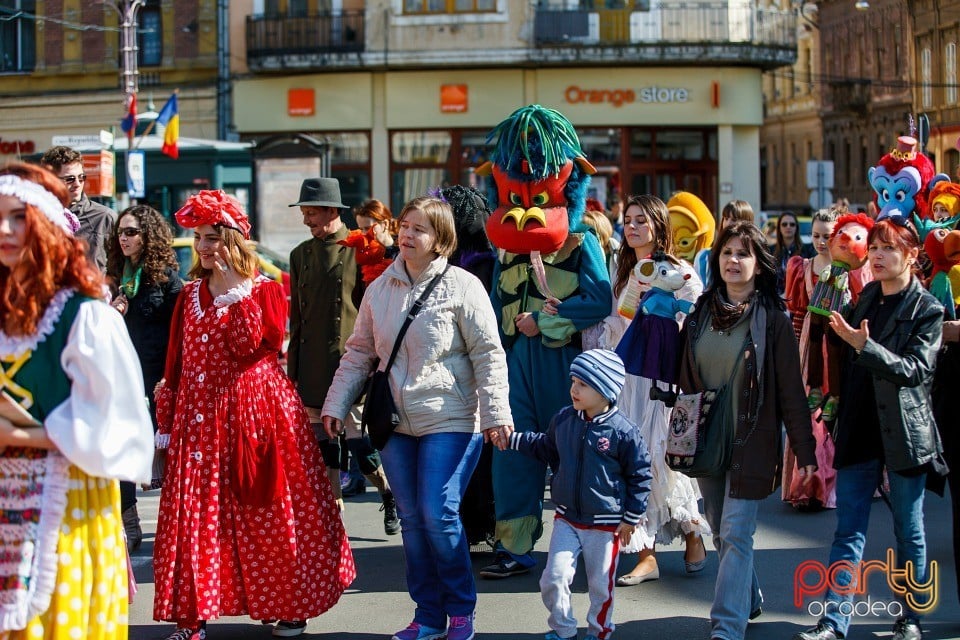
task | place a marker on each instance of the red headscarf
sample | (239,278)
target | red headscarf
(213,207)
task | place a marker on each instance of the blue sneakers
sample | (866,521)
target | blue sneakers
(461,628)
(417,631)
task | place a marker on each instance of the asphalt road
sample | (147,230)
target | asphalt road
(677,606)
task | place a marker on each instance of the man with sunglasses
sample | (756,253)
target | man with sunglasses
(96,220)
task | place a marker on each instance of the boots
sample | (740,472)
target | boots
(391,522)
(131,526)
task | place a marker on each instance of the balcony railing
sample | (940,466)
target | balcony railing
(670,27)
(850,95)
(282,41)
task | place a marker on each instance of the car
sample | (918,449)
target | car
(272,264)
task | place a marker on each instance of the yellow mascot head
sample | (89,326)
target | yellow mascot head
(693,225)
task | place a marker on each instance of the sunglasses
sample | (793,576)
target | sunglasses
(71,179)
(788,224)
(129,232)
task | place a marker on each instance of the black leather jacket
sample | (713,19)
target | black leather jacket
(901,358)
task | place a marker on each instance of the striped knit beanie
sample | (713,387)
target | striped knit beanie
(602,369)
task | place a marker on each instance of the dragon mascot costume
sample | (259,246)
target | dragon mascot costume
(550,283)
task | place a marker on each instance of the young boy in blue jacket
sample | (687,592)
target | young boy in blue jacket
(601,479)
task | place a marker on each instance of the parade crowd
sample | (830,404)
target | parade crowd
(663,369)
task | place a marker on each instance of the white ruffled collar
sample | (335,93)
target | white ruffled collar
(16,346)
(224,300)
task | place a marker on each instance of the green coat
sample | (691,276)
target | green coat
(325,292)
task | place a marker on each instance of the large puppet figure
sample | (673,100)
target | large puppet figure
(550,283)
(848,251)
(693,225)
(901,181)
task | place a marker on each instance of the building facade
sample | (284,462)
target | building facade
(936,33)
(401,94)
(61,64)
(868,96)
(792,133)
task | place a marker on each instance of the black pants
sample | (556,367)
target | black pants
(946,410)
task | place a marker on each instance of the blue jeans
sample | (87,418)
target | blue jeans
(737,591)
(428,476)
(855,487)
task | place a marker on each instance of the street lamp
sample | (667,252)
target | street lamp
(129,74)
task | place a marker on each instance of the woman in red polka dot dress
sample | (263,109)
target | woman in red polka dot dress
(247,523)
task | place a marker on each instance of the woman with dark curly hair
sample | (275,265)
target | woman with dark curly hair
(142,268)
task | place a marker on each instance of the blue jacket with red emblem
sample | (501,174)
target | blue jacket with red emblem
(601,468)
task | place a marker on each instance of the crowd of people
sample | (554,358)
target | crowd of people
(499,365)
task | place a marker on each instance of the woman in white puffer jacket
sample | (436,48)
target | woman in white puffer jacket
(449,383)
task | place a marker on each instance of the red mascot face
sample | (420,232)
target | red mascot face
(530,216)
(849,244)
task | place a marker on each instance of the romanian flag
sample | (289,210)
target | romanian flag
(129,122)
(169,117)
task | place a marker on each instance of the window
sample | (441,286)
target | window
(448,6)
(17,39)
(926,78)
(297,8)
(952,159)
(950,63)
(150,36)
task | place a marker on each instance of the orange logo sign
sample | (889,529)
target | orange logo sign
(301,102)
(453,98)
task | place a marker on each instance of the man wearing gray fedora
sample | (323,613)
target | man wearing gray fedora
(325,292)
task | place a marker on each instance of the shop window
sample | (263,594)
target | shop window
(150,35)
(17,36)
(421,146)
(641,145)
(348,148)
(680,145)
(600,145)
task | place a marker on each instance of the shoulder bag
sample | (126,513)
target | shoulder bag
(380,416)
(702,429)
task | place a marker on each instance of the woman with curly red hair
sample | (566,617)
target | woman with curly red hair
(71,374)
(247,523)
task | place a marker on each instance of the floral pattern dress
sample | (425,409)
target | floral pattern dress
(247,523)
(672,508)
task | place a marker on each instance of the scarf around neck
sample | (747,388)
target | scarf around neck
(725,314)
(130,281)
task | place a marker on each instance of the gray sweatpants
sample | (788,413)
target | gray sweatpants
(601,551)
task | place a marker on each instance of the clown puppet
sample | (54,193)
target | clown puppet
(848,251)
(550,283)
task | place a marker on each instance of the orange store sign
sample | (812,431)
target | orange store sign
(618,97)
(453,98)
(301,102)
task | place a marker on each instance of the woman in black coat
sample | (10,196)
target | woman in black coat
(142,267)
(893,335)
